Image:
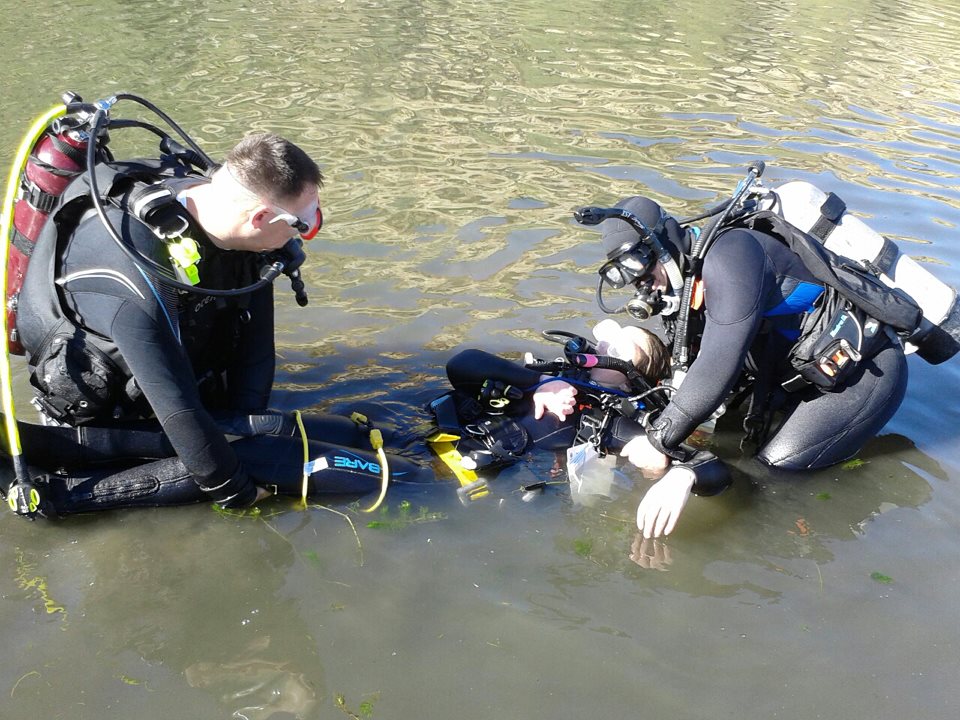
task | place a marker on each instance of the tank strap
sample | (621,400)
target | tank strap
(831,211)
(22,243)
(78,156)
(887,257)
(53,170)
(37,198)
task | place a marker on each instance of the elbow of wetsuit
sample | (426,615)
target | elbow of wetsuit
(237,491)
(470,368)
(711,474)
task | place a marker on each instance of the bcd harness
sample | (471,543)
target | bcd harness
(78,373)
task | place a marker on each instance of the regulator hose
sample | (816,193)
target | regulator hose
(148,265)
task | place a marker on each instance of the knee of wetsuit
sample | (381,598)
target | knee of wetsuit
(269,422)
(620,432)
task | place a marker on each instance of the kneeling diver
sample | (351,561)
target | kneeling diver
(141,291)
(785,300)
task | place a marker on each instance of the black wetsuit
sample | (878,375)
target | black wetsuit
(756,291)
(189,353)
(91,468)
(469,369)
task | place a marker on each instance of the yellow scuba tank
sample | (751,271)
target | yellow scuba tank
(826,217)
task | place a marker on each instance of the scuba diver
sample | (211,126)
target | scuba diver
(784,300)
(589,403)
(141,293)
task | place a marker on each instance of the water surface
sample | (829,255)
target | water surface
(456,138)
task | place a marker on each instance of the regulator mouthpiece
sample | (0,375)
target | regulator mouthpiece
(595,215)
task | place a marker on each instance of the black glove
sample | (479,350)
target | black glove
(237,491)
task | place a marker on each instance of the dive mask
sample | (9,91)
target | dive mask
(627,264)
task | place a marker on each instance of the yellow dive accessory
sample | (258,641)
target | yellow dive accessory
(376,442)
(471,487)
(185,254)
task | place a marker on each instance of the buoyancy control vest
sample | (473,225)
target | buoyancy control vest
(868,286)
(78,373)
(853,308)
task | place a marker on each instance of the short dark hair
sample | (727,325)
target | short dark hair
(273,167)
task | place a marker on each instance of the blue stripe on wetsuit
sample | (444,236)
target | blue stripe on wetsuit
(800,300)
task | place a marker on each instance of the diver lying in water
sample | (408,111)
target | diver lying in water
(598,395)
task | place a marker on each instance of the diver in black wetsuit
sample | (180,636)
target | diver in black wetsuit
(109,344)
(754,295)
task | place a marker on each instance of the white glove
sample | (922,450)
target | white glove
(660,508)
(556,397)
(645,456)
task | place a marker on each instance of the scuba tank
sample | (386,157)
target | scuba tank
(826,217)
(58,156)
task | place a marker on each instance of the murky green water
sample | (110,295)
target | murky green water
(456,138)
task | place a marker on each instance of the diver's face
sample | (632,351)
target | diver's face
(657,278)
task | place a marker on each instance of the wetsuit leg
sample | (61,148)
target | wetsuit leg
(71,448)
(164,482)
(336,469)
(275,461)
(834,426)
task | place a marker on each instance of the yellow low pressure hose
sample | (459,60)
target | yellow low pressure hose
(6,230)
(376,442)
(306,457)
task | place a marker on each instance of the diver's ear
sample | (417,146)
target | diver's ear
(257,217)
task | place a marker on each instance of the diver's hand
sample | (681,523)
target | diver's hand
(555,397)
(645,456)
(650,554)
(660,508)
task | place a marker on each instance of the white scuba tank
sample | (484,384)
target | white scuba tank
(800,203)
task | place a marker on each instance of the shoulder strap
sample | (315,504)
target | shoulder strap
(859,286)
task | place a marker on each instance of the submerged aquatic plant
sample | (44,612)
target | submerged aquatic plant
(583,546)
(404,517)
(365,710)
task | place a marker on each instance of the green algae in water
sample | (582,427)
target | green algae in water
(404,517)
(583,547)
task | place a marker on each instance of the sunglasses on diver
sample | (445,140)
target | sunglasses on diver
(307,229)
(628,264)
